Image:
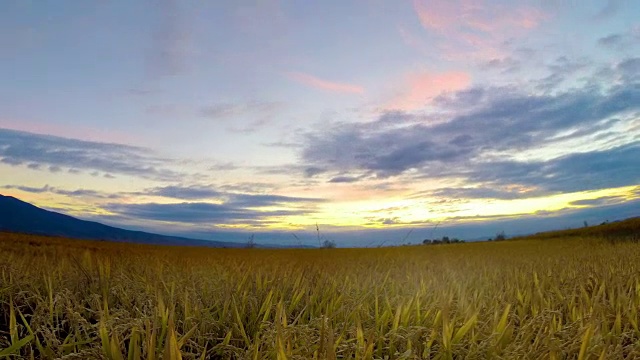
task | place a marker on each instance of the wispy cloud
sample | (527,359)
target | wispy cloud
(73,193)
(199,213)
(224,110)
(224,209)
(98,134)
(246,116)
(611,8)
(171,42)
(623,41)
(57,153)
(480,16)
(478,29)
(326,85)
(200,192)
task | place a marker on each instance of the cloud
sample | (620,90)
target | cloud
(266,200)
(198,192)
(504,193)
(611,8)
(592,170)
(227,109)
(263,19)
(622,41)
(189,193)
(487,126)
(605,200)
(489,18)
(573,173)
(477,29)
(418,89)
(561,69)
(54,190)
(612,40)
(345,179)
(630,69)
(199,213)
(258,113)
(34,150)
(326,85)
(505,64)
(71,131)
(224,207)
(194,192)
(171,42)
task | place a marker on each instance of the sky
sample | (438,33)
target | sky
(372,121)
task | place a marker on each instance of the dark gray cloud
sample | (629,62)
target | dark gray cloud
(576,172)
(488,125)
(230,207)
(630,69)
(232,202)
(36,151)
(198,213)
(497,120)
(561,69)
(613,40)
(623,41)
(605,200)
(266,200)
(313,171)
(54,190)
(194,192)
(479,193)
(345,179)
(198,192)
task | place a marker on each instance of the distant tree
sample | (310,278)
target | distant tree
(436,242)
(500,236)
(251,242)
(586,224)
(328,244)
(445,240)
(426,242)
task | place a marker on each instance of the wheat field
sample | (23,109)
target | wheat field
(572,297)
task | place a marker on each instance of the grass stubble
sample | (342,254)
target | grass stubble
(564,298)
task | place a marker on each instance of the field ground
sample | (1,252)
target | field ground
(571,295)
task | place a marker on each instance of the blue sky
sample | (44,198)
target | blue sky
(369,118)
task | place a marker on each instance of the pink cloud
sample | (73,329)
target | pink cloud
(326,85)
(419,89)
(476,29)
(475,15)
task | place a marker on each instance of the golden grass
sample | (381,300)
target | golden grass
(571,298)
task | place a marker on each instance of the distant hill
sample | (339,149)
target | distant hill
(628,228)
(22,217)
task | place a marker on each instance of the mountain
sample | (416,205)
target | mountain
(22,217)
